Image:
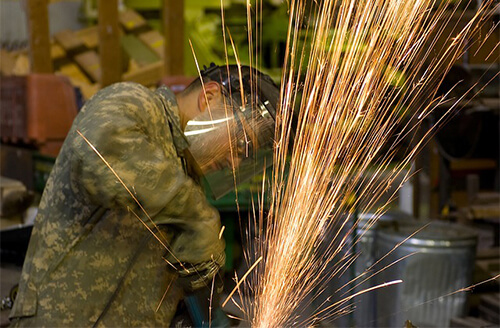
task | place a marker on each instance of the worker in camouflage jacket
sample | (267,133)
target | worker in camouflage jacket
(122,229)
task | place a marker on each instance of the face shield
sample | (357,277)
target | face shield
(233,141)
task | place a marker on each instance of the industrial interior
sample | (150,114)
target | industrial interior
(435,227)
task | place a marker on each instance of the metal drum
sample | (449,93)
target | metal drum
(442,264)
(361,242)
(364,314)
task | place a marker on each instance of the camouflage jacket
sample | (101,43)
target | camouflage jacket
(95,257)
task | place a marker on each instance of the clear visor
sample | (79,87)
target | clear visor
(230,146)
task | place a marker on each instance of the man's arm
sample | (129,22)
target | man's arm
(130,132)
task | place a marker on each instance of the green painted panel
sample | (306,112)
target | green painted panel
(138,51)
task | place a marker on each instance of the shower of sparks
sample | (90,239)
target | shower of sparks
(242,280)
(221,231)
(210,303)
(386,284)
(362,68)
(164,294)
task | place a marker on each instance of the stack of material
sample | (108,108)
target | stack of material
(470,322)
(145,48)
(489,308)
(488,263)
(78,58)
(37,110)
(9,191)
(484,207)
(14,200)
(75,54)
(489,314)
(483,214)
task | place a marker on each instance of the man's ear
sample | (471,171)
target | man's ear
(209,93)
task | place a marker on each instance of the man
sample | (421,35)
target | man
(120,223)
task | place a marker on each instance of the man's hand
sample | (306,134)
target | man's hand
(195,276)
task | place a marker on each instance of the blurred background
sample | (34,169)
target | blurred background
(56,54)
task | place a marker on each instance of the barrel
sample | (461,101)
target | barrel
(441,264)
(364,313)
(360,242)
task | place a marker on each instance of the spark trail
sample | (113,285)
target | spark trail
(369,65)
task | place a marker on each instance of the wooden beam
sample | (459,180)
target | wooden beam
(39,39)
(109,45)
(173,30)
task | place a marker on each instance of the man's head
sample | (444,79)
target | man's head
(228,117)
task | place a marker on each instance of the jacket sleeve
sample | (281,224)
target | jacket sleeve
(127,126)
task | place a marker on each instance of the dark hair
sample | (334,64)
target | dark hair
(195,85)
(232,78)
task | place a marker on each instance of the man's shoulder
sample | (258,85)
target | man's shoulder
(167,95)
(122,98)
